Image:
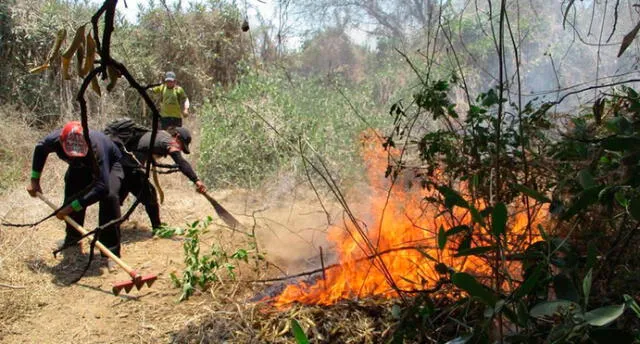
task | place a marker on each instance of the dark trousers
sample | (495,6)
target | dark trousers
(136,183)
(78,178)
(168,122)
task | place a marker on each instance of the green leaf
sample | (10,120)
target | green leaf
(528,285)
(631,303)
(476,215)
(452,198)
(499,219)
(458,229)
(586,179)
(543,234)
(582,201)
(634,208)
(426,255)
(442,238)
(532,193)
(586,287)
(548,308)
(604,315)
(298,333)
(620,198)
(469,284)
(474,251)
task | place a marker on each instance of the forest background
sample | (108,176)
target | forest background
(528,102)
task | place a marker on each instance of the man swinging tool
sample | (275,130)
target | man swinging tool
(171,143)
(85,182)
(135,144)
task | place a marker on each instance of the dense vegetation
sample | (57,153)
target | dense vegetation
(466,106)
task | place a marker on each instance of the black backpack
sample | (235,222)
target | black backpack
(126,132)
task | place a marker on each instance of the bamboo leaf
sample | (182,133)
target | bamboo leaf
(442,238)
(538,196)
(604,315)
(628,38)
(631,303)
(469,284)
(452,198)
(426,255)
(474,251)
(528,285)
(298,333)
(586,287)
(458,229)
(476,216)
(499,219)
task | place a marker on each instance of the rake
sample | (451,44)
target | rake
(137,280)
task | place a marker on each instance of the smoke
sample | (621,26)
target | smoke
(556,54)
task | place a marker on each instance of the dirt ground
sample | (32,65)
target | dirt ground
(39,305)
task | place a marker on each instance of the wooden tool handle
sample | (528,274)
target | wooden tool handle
(105,251)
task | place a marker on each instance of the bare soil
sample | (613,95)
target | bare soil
(38,304)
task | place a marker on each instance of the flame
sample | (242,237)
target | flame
(400,222)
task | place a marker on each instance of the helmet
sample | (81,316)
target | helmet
(185,137)
(169,76)
(72,140)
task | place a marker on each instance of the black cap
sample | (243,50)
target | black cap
(185,137)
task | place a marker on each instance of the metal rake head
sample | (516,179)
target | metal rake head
(138,282)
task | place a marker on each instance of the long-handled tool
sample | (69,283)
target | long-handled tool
(137,280)
(222,212)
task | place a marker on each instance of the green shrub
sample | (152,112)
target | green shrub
(256,129)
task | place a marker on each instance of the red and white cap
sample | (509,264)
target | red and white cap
(72,140)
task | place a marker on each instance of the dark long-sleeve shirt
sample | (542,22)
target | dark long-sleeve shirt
(106,152)
(162,147)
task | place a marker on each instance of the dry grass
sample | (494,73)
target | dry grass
(365,321)
(16,146)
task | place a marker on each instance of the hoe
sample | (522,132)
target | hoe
(136,279)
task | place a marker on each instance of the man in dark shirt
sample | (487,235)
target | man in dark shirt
(85,183)
(165,144)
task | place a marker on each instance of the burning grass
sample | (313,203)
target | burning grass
(408,240)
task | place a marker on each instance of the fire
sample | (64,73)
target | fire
(399,222)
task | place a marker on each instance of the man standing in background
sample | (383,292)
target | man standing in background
(174,103)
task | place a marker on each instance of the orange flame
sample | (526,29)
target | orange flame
(400,222)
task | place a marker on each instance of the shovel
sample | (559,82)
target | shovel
(136,279)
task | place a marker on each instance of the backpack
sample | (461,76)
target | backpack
(125,132)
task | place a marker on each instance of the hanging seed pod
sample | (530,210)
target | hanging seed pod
(245,25)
